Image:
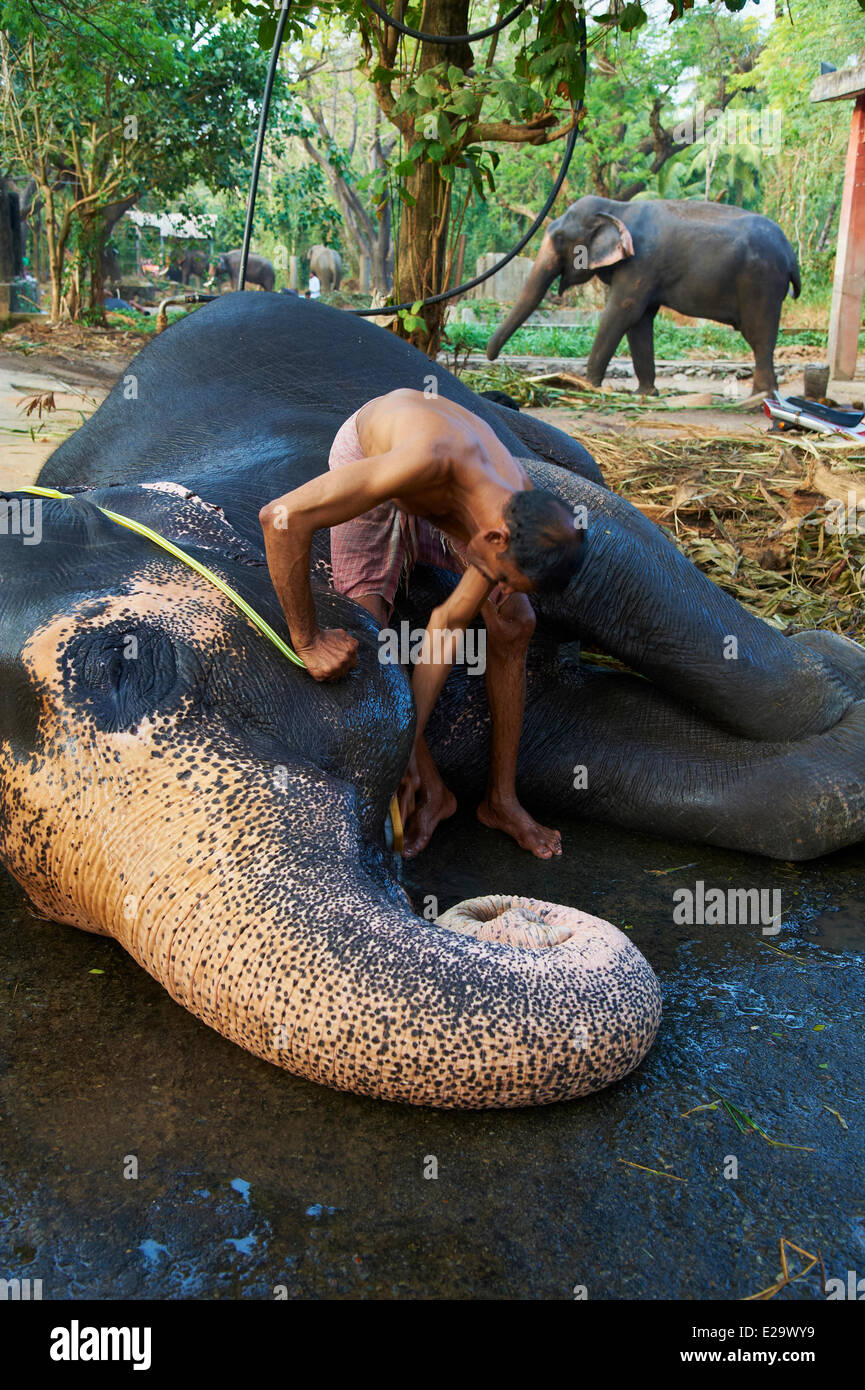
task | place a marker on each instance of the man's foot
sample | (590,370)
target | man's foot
(515,821)
(433,803)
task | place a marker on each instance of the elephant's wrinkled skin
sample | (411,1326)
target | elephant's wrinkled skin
(167,778)
(707,259)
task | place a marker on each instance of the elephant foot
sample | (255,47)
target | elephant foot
(647,390)
(514,820)
(754,402)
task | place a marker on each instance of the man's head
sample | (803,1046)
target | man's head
(537,549)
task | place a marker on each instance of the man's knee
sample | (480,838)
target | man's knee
(512,624)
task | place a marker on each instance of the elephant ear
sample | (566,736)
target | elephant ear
(610,243)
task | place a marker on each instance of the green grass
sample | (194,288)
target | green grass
(144,323)
(671,340)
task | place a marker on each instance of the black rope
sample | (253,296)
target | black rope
(446,38)
(259,141)
(389,309)
(514,251)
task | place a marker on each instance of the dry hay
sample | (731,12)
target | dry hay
(759,517)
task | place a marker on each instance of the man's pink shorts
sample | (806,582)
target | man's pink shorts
(370,553)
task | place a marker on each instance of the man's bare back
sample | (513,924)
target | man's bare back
(448,435)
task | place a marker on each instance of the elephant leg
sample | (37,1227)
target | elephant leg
(623,312)
(550,443)
(758,324)
(641,340)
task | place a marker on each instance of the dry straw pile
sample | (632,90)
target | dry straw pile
(778,523)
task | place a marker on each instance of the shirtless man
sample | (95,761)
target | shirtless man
(419,480)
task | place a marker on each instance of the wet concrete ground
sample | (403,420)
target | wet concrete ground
(250,1179)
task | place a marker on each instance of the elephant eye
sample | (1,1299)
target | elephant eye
(121,673)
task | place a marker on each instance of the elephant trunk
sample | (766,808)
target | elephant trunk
(284,932)
(544,271)
(305,959)
(344,987)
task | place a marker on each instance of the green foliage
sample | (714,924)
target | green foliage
(120,99)
(186,82)
(802,182)
(298,209)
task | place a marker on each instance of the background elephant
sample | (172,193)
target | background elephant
(111,276)
(708,260)
(327,265)
(259,271)
(195,263)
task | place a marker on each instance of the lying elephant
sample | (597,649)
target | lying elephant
(259,271)
(169,779)
(706,259)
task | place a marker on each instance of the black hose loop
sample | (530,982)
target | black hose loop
(390,309)
(447,38)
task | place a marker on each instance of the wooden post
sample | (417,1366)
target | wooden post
(293,283)
(846,314)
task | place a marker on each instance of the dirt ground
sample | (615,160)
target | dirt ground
(51,380)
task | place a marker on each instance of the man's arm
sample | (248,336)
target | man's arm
(449,618)
(289,524)
(430,673)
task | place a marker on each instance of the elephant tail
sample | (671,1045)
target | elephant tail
(795,276)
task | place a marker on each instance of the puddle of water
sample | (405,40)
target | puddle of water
(525,1204)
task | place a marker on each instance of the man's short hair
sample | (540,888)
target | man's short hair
(546,545)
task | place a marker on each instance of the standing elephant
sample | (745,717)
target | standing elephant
(169,779)
(708,260)
(327,265)
(195,263)
(258,270)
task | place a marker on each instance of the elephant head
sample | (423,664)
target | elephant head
(583,241)
(167,778)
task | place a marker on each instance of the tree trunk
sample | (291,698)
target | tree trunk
(823,238)
(369,235)
(56,239)
(423,229)
(100,227)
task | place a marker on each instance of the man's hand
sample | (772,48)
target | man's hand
(331,655)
